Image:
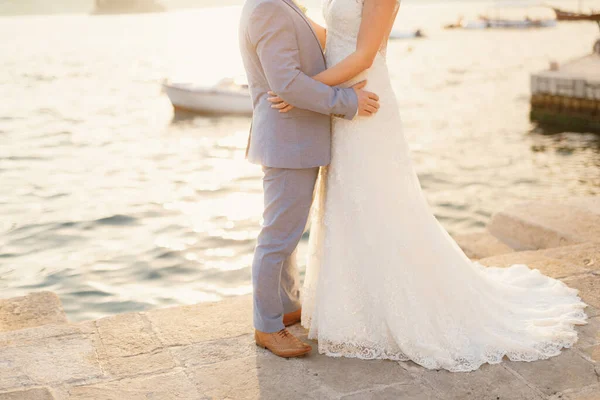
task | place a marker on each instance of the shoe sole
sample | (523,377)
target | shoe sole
(298,354)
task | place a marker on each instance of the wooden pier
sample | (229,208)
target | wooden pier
(568,97)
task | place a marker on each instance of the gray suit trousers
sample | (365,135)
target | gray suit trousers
(275,279)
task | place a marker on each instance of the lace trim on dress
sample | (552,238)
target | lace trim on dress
(540,351)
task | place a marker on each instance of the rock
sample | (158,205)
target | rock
(544,224)
(35,309)
(481,244)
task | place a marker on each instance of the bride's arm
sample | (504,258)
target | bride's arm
(320,31)
(377,20)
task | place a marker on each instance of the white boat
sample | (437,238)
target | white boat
(489,23)
(228,97)
(507,14)
(398,34)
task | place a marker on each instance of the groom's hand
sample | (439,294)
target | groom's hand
(368,103)
(278,103)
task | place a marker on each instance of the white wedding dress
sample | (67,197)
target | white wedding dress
(385,280)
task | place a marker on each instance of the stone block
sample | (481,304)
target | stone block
(29,394)
(592,353)
(51,360)
(588,393)
(567,371)
(127,346)
(125,335)
(12,375)
(262,376)
(544,224)
(410,391)
(534,260)
(347,375)
(36,334)
(490,382)
(481,244)
(589,334)
(184,325)
(583,257)
(589,288)
(215,351)
(35,309)
(146,363)
(171,386)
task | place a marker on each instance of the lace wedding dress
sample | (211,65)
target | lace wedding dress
(385,280)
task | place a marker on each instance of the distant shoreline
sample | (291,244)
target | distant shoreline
(78,7)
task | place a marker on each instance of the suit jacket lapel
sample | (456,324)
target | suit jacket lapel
(295,8)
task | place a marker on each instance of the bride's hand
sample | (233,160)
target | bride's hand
(279,104)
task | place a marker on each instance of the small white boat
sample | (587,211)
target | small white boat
(398,34)
(507,14)
(228,97)
(489,23)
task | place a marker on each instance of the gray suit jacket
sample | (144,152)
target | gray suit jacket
(280,51)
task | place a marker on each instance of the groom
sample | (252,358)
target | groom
(280,51)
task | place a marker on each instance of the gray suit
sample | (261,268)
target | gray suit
(280,52)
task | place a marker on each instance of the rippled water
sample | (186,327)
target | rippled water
(117,205)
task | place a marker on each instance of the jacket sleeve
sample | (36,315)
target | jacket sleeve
(271,32)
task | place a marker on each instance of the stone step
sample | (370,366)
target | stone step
(481,244)
(558,262)
(207,351)
(35,309)
(544,224)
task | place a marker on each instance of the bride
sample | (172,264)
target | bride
(384,279)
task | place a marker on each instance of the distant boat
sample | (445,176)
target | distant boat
(398,34)
(228,97)
(493,23)
(562,15)
(500,15)
(127,7)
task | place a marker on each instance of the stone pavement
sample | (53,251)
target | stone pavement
(206,351)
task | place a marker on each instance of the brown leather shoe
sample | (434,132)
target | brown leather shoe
(282,343)
(292,317)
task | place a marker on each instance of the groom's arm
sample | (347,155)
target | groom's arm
(271,31)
